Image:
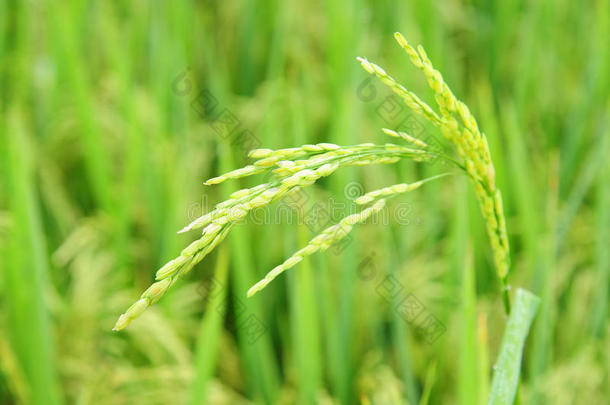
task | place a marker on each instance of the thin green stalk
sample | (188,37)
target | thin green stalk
(342,36)
(308,363)
(428,384)
(600,310)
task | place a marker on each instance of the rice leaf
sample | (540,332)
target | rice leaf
(508,365)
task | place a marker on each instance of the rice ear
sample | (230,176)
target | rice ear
(459,127)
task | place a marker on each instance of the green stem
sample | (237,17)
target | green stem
(508,365)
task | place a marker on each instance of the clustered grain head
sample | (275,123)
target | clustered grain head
(299,167)
(292,169)
(459,127)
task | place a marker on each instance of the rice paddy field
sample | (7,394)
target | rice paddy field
(113,114)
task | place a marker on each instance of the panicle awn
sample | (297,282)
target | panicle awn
(296,168)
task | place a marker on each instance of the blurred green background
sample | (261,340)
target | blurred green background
(109,124)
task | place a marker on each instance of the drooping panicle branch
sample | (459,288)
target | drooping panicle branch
(294,168)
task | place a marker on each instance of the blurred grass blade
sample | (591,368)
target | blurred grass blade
(74,70)
(464,266)
(600,310)
(26,275)
(210,332)
(508,365)
(305,327)
(428,384)
(305,324)
(401,333)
